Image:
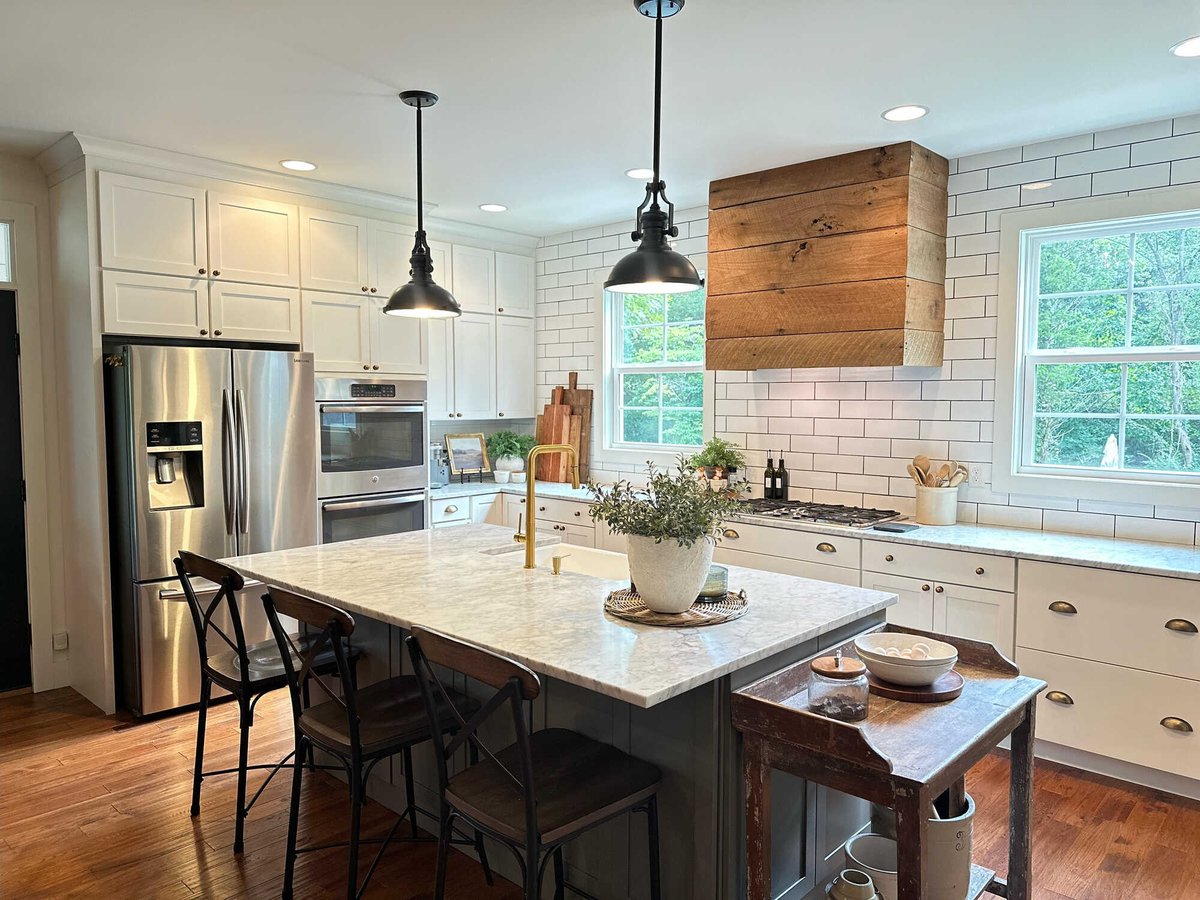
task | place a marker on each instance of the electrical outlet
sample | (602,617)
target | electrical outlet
(60,640)
(977,474)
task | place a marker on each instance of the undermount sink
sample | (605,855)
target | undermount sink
(581,561)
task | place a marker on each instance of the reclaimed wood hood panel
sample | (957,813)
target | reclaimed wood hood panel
(833,262)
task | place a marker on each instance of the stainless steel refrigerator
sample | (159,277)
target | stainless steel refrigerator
(210,450)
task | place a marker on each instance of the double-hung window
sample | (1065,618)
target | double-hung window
(1106,375)
(654,386)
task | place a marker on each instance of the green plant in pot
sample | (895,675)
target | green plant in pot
(507,451)
(670,527)
(718,454)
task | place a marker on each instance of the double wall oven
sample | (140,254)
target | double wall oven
(373,477)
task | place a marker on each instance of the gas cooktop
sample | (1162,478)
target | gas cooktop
(820,513)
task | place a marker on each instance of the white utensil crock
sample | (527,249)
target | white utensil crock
(937,505)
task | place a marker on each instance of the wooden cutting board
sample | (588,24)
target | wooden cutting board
(580,401)
(553,427)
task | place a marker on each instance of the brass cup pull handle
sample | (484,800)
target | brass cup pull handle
(1174,723)
(1062,606)
(1061,698)
(1183,626)
(826,547)
(731,534)
(450,510)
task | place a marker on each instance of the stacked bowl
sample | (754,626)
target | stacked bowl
(905,659)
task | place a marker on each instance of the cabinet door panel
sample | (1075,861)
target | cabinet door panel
(474,278)
(475,366)
(245,312)
(151,226)
(440,335)
(399,344)
(389,250)
(333,251)
(515,364)
(156,305)
(975,613)
(337,331)
(253,240)
(514,285)
(915,606)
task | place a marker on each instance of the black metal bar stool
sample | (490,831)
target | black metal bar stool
(359,728)
(247,671)
(536,794)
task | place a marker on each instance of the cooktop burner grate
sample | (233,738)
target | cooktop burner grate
(821,513)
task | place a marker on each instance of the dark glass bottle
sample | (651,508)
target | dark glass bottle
(769,479)
(781,480)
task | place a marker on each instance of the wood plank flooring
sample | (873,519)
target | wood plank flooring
(96,807)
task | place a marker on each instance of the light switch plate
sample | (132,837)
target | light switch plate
(976,474)
(60,640)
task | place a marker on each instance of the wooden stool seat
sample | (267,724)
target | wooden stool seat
(391,716)
(578,782)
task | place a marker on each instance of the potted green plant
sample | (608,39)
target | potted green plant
(508,450)
(720,460)
(670,528)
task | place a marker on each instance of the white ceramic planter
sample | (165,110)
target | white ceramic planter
(508,464)
(668,577)
(937,505)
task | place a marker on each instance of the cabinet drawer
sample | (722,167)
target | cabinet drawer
(453,509)
(1113,617)
(844,552)
(955,566)
(579,535)
(799,567)
(570,512)
(1116,712)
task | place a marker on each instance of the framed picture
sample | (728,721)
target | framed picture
(467,453)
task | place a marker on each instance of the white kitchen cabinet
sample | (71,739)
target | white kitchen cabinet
(975,613)
(251,312)
(474,340)
(515,295)
(399,344)
(789,552)
(450,511)
(486,508)
(606,539)
(157,305)
(915,606)
(575,535)
(152,226)
(474,278)
(253,240)
(337,331)
(389,249)
(440,396)
(515,365)
(333,251)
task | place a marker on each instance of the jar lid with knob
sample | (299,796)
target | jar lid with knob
(838,688)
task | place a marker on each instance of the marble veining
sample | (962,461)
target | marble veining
(446,580)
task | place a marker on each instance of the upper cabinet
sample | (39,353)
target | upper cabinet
(253,240)
(152,226)
(514,285)
(515,363)
(348,333)
(390,247)
(474,278)
(334,251)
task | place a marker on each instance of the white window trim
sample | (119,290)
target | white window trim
(1016,240)
(607,451)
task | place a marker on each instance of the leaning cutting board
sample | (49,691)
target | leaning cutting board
(554,427)
(580,401)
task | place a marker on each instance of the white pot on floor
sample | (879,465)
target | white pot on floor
(668,577)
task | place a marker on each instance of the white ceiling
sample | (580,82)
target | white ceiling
(544,105)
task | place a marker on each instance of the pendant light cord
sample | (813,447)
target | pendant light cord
(420,180)
(658,26)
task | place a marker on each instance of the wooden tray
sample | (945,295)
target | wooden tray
(626,604)
(945,688)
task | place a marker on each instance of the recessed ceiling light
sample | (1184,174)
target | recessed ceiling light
(297,165)
(493,207)
(640,174)
(1037,185)
(1188,48)
(904,113)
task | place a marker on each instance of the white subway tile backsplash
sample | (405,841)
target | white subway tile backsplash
(987,160)
(1092,161)
(1135,179)
(1021,173)
(1161,530)
(1185,171)
(1074,144)
(1009,516)
(1179,147)
(1133,133)
(1079,523)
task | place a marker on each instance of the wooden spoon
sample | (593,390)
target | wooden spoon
(922,462)
(931,480)
(958,478)
(916,474)
(944,473)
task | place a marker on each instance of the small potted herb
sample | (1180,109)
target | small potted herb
(508,450)
(720,460)
(670,527)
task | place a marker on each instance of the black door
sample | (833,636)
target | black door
(14,605)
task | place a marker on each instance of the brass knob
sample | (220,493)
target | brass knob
(826,547)
(1062,606)
(204,331)
(500,309)
(939,589)
(578,514)
(374,290)
(216,272)
(979,571)
(364,288)
(889,558)
(731,534)
(374,368)
(1061,698)
(924,587)
(541,509)
(366,368)
(202,270)
(1183,626)
(501,415)
(1174,723)
(217,333)
(522,499)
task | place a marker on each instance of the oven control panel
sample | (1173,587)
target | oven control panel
(373,391)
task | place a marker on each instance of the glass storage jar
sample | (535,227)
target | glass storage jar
(838,688)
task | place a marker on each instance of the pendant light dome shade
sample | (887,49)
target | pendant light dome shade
(654,268)
(421,298)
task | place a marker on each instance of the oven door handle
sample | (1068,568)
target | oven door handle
(398,500)
(372,408)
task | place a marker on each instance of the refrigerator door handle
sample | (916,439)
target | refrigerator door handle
(228,463)
(203,588)
(244,454)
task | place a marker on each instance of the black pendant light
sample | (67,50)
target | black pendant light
(421,297)
(654,268)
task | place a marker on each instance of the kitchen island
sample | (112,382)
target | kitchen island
(659,693)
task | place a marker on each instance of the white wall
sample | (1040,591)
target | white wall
(849,432)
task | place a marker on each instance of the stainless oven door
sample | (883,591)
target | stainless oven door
(348,520)
(371,447)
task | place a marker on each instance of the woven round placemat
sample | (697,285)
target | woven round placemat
(626,604)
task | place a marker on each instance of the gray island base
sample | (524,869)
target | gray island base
(662,694)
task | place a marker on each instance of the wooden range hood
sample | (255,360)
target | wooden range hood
(833,262)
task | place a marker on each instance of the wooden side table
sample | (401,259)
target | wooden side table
(902,755)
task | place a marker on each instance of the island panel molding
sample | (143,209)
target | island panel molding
(850,248)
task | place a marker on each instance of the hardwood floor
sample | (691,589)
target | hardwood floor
(95,807)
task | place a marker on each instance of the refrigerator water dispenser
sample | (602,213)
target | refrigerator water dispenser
(175,464)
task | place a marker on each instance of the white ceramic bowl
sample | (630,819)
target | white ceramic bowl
(875,855)
(902,671)
(876,645)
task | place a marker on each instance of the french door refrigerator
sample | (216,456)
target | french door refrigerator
(210,450)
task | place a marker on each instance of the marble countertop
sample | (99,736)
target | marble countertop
(543,489)
(446,579)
